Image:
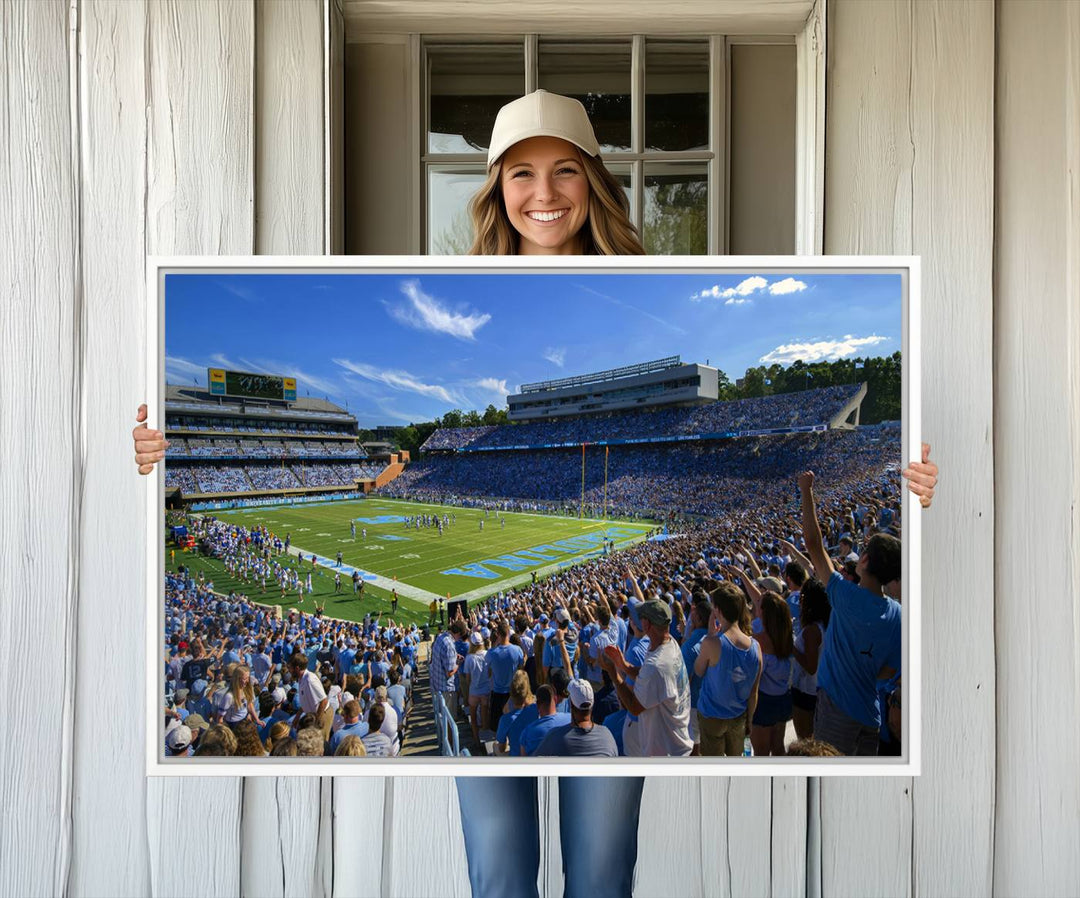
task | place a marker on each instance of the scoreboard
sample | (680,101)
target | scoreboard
(248,385)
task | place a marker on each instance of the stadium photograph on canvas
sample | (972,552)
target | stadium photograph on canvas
(431,516)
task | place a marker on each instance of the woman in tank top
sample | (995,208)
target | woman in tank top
(814,617)
(773,711)
(730,667)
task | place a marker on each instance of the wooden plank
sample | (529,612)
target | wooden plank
(669,839)
(422,841)
(41,436)
(553,17)
(360,818)
(1037,449)
(735,833)
(111,785)
(952,131)
(285,848)
(909,170)
(868,200)
(788,843)
(199,200)
(200,185)
(280,838)
(289,127)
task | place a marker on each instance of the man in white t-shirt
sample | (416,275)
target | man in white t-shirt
(312,696)
(390,716)
(660,696)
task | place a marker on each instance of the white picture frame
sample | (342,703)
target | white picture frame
(908,764)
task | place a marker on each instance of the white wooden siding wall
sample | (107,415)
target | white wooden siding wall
(180,127)
(909,169)
(1037,450)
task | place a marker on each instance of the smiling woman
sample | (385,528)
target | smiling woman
(547,190)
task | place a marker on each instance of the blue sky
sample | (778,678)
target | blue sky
(403,348)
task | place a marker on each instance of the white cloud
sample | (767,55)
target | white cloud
(244,293)
(426,313)
(556,355)
(311,381)
(182,371)
(737,295)
(399,380)
(492,385)
(787,285)
(820,350)
(222,361)
(744,288)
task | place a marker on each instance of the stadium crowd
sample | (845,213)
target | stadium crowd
(810,407)
(242,679)
(699,478)
(702,642)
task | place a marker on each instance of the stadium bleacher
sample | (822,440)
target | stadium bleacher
(803,409)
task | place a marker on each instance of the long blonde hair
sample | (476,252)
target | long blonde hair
(237,692)
(607,232)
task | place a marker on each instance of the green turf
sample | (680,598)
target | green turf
(418,558)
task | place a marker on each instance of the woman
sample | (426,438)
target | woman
(773,710)
(547,193)
(477,679)
(814,618)
(729,665)
(237,703)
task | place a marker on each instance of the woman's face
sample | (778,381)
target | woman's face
(546,195)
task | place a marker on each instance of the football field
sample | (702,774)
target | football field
(478,554)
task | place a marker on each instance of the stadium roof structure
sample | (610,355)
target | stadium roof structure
(581,380)
(179,397)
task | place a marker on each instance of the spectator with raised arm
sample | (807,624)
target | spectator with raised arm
(862,641)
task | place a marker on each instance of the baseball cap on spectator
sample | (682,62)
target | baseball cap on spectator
(179,738)
(198,688)
(476,639)
(657,612)
(543,618)
(486,633)
(560,680)
(562,615)
(581,694)
(770,583)
(196,722)
(670,598)
(278,695)
(181,694)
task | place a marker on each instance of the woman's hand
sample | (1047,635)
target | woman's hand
(922,477)
(150,445)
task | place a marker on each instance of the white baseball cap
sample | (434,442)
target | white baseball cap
(581,694)
(541,114)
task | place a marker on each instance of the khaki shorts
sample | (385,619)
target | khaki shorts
(721,738)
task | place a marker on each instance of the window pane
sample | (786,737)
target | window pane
(676,209)
(624,175)
(597,74)
(676,95)
(449,191)
(467,85)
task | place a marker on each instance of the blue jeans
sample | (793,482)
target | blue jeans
(598,819)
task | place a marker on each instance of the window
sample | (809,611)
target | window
(659,107)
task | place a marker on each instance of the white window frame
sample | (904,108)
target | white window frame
(809,42)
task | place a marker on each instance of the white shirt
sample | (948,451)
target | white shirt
(663,690)
(311,692)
